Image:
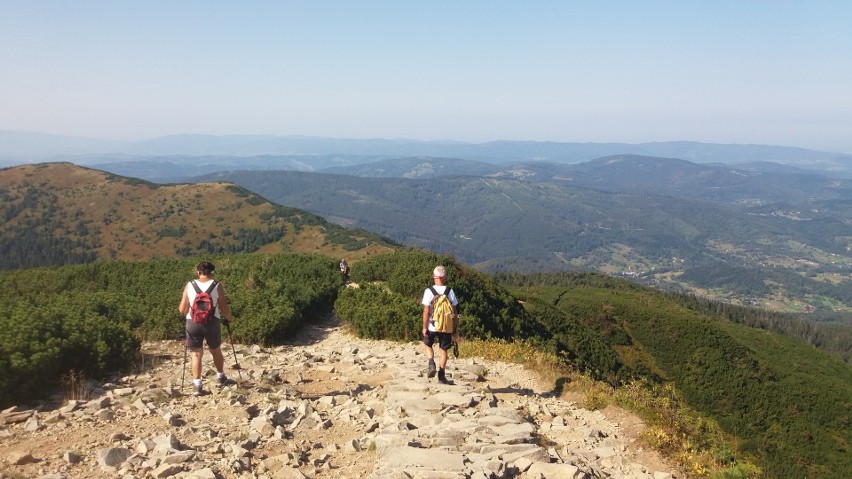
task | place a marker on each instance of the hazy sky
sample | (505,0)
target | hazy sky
(769,72)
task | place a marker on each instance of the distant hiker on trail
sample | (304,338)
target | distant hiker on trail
(344,271)
(437,324)
(204,321)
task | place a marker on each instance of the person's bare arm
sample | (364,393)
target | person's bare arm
(425,320)
(223,304)
(183,307)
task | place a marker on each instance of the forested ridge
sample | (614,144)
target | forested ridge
(58,213)
(745,243)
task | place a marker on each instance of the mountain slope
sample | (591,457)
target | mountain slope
(60,213)
(787,402)
(417,167)
(722,184)
(179,168)
(17,147)
(537,219)
(784,400)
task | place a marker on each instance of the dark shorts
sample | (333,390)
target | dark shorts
(196,334)
(445,340)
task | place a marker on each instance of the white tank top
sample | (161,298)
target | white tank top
(190,292)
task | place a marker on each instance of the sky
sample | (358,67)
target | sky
(746,71)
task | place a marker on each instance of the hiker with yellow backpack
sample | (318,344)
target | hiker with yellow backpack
(440,322)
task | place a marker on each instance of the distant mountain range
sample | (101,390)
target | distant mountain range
(756,225)
(314,153)
(774,239)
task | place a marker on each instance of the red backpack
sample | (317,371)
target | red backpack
(202,309)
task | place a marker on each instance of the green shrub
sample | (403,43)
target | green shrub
(58,334)
(90,318)
(487,309)
(376,313)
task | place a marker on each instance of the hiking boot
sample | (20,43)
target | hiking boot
(432,369)
(224,381)
(197,390)
(442,377)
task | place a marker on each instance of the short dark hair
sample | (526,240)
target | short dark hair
(206,268)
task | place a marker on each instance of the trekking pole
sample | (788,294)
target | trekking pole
(231,339)
(183,376)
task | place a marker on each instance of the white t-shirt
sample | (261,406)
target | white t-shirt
(190,292)
(428,297)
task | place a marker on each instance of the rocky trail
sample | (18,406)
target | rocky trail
(325,405)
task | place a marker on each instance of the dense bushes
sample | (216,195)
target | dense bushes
(487,310)
(579,345)
(273,296)
(388,306)
(377,313)
(45,337)
(785,400)
(90,318)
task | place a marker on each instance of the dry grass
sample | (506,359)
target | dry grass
(74,386)
(138,221)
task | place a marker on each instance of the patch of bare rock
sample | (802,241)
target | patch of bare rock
(326,405)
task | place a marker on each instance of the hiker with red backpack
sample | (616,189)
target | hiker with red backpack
(440,322)
(206,309)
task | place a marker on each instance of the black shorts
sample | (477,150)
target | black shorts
(196,334)
(445,340)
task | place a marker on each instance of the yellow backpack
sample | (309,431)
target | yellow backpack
(443,315)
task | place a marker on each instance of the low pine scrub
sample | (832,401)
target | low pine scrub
(89,320)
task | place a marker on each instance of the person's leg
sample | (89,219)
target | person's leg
(428,342)
(213,336)
(442,359)
(442,372)
(196,355)
(218,360)
(195,344)
(445,343)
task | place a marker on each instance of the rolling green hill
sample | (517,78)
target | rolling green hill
(59,213)
(632,174)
